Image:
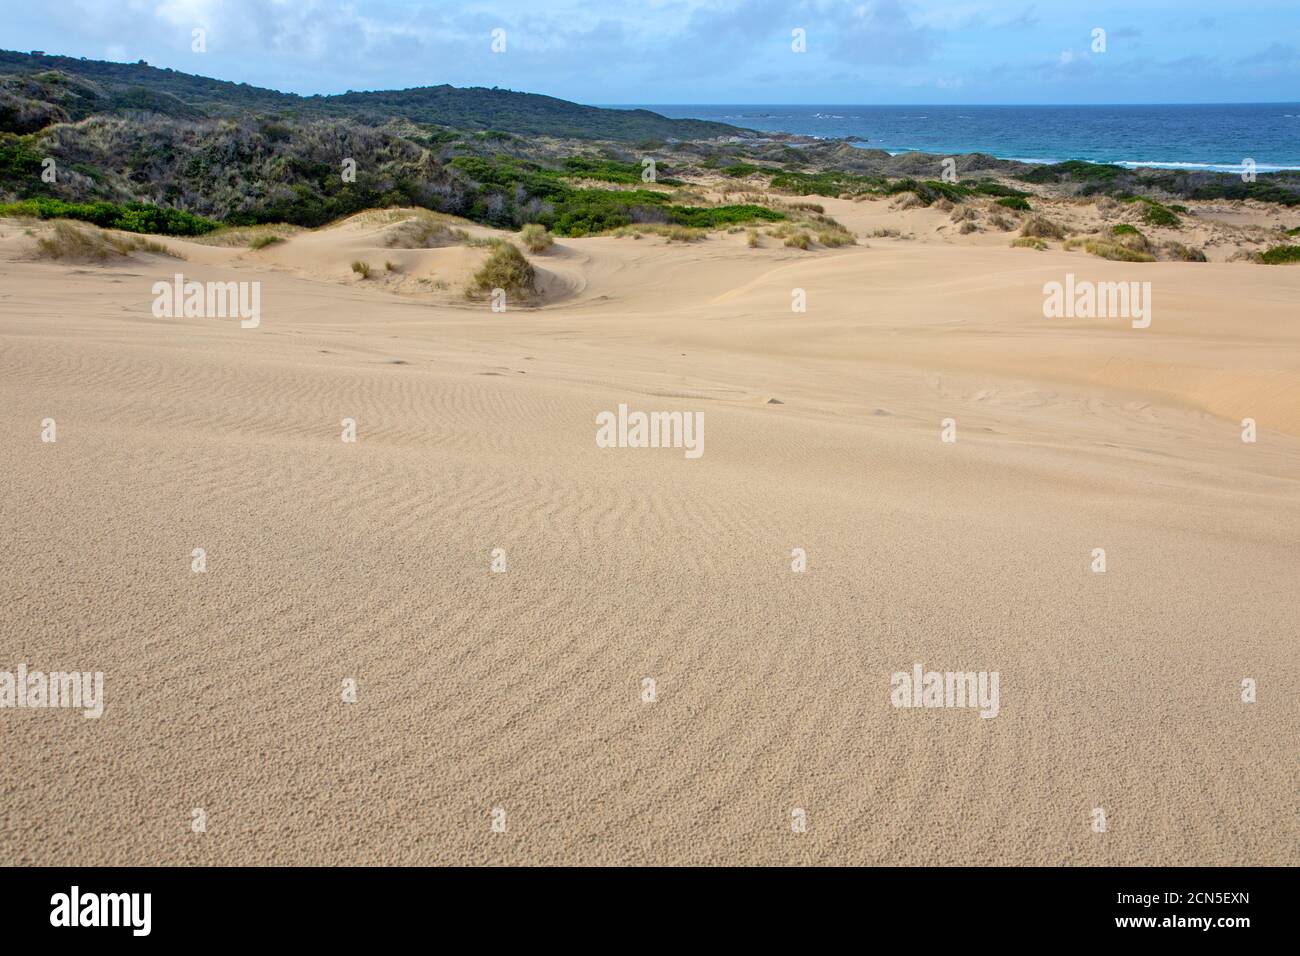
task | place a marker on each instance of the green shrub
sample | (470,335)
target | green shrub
(132,217)
(1280,255)
(828,183)
(1015,202)
(1158,214)
(1074,170)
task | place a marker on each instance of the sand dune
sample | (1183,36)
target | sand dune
(523,690)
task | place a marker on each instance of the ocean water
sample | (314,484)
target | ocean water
(1214,137)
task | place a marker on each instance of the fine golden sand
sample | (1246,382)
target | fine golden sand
(523,690)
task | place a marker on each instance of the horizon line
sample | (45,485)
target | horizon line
(962,105)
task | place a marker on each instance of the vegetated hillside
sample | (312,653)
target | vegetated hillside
(127,134)
(123,86)
(142,148)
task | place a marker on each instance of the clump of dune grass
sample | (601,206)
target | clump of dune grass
(999,221)
(392,267)
(799,233)
(535,237)
(1036,227)
(506,268)
(1279,256)
(1028,242)
(832,239)
(672,233)
(751,237)
(250,236)
(1130,237)
(424,233)
(361,268)
(1181,253)
(66,241)
(1109,249)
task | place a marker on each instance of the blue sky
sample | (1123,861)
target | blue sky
(706,51)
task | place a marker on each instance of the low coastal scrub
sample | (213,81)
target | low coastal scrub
(932,191)
(611,171)
(512,192)
(1092,175)
(1280,255)
(139,217)
(742,170)
(506,269)
(1157,214)
(1028,242)
(831,183)
(1123,183)
(262,241)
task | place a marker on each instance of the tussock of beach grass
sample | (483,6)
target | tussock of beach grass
(1109,249)
(506,268)
(801,233)
(670,233)
(424,232)
(535,238)
(254,237)
(85,242)
(1036,227)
